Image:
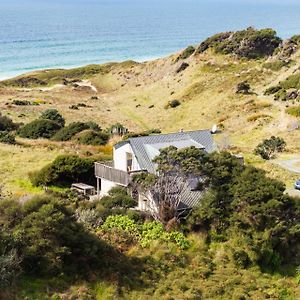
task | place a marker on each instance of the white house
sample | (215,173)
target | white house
(137,154)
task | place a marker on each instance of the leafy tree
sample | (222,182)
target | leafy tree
(53,115)
(64,170)
(39,129)
(164,191)
(270,147)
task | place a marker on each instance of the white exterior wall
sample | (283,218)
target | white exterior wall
(106,186)
(120,158)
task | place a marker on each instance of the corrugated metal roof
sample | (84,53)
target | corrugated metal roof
(146,148)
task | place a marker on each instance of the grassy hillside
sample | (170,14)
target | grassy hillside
(137,95)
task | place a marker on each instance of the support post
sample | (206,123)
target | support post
(98,186)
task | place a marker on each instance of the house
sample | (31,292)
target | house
(137,154)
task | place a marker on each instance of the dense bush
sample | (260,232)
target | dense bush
(7,138)
(243,88)
(118,198)
(53,115)
(92,137)
(65,170)
(48,238)
(6,124)
(270,147)
(249,43)
(272,90)
(21,102)
(39,129)
(142,133)
(242,199)
(68,132)
(186,53)
(147,232)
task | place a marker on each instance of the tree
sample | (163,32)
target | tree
(165,190)
(53,115)
(270,147)
(64,170)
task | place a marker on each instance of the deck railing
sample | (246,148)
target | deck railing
(106,171)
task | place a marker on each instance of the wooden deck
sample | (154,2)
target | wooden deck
(106,171)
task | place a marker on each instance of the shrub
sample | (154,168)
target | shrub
(147,232)
(281,95)
(275,65)
(186,53)
(294,111)
(272,90)
(243,88)
(92,137)
(173,104)
(249,43)
(53,115)
(118,198)
(269,147)
(291,82)
(21,102)
(6,124)
(52,242)
(66,133)
(39,129)
(7,138)
(65,170)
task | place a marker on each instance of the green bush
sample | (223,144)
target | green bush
(21,102)
(39,129)
(53,115)
(186,53)
(118,198)
(294,111)
(147,232)
(249,43)
(49,239)
(269,147)
(291,82)
(65,170)
(92,137)
(272,90)
(68,132)
(7,138)
(275,65)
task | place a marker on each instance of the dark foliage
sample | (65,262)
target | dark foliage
(118,198)
(65,170)
(269,147)
(243,88)
(66,133)
(173,104)
(53,115)
(249,43)
(39,129)
(7,138)
(92,137)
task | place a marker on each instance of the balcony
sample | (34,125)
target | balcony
(108,172)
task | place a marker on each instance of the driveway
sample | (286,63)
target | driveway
(292,165)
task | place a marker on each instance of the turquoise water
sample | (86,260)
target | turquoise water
(39,34)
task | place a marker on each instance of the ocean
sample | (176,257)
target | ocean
(40,34)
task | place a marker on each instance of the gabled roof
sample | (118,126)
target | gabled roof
(147,147)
